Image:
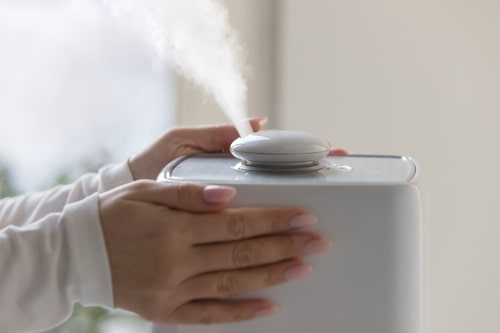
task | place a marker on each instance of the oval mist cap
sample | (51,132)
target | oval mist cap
(279,146)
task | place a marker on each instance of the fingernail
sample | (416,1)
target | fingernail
(263,121)
(257,123)
(339,151)
(302,221)
(316,246)
(297,271)
(266,311)
(216,194)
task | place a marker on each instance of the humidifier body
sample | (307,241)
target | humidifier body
(369,206)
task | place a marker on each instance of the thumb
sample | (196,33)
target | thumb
(211,138)
(189,196)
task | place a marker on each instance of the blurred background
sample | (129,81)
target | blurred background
(75,85)
(418,78)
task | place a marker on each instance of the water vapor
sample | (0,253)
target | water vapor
(196,38)
(76,88)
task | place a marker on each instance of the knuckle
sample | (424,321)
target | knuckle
(236,226)
(225,285)
(171,273)
(243,255)
(164,273)
(177,233)
(278,223)
(292,245)
(184,194)
(273,276)
(141,185)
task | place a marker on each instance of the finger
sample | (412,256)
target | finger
(256,252)
(213,138)
(257,122)
(234,224)
(224,284)
(339,151)
(217,311)
(186,197)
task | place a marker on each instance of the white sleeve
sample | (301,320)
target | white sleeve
(28,208)
(53,254)
(51,264)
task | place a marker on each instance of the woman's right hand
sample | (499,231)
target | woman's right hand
(177,252)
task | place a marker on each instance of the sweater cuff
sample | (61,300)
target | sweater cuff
(88,254)
(113,176)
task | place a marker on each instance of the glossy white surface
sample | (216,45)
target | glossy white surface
(279,146)
(371,281)
(353,170)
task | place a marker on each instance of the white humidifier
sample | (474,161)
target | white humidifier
(369,206)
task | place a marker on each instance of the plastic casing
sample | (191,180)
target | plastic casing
(271,146)
(370,207)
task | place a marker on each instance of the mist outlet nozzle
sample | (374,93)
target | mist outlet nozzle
(280,151)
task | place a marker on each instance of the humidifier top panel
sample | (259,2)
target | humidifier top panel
(335,170)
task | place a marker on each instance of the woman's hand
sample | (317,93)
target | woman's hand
(177,253)
(185,141)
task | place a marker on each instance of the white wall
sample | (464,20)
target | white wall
(420,78)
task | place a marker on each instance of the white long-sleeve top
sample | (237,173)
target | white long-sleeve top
(53,254)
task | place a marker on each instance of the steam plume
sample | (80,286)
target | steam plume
(196,38)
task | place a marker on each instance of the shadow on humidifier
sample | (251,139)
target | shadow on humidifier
(368,205)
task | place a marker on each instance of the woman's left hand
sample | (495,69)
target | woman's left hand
(185,141)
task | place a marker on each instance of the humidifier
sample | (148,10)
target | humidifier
(368,205)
